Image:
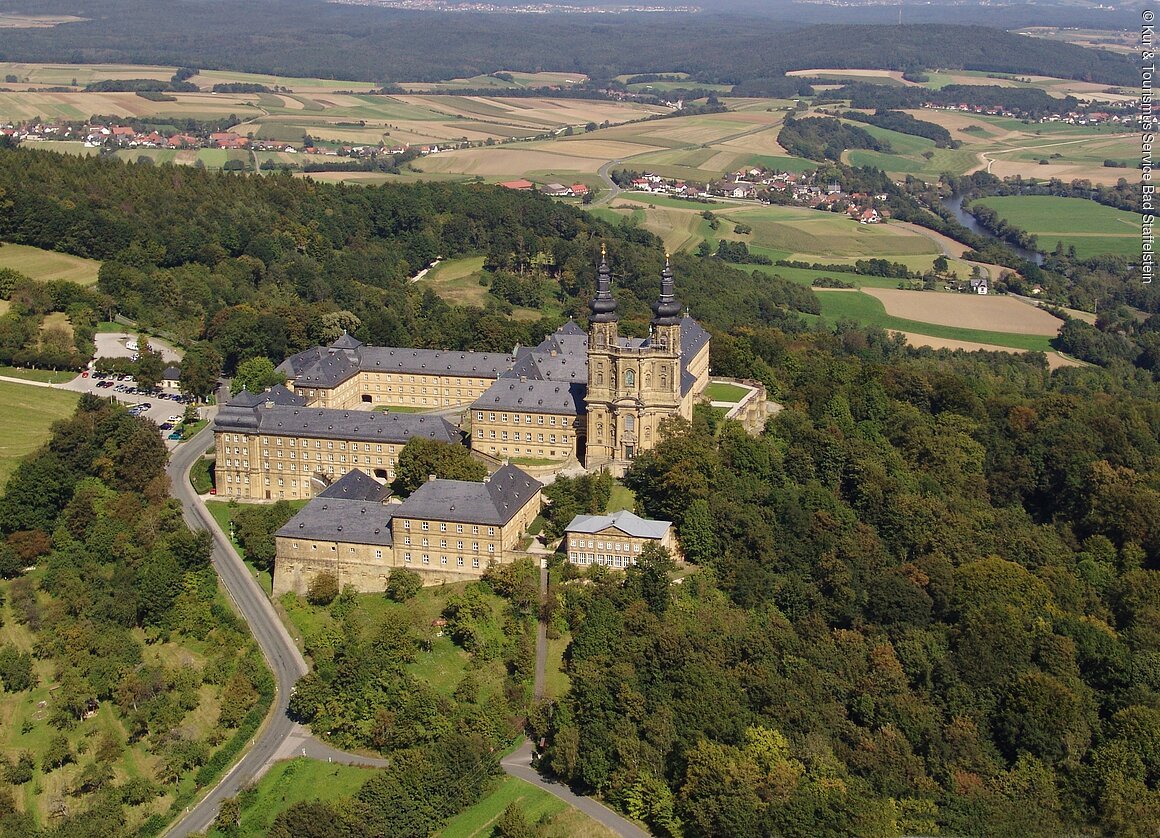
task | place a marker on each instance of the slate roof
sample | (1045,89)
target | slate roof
(693,339)
(171,374)
(356,485)
(338,519)
(327,367)
(624,521)
(566,398)
(493,502)
(250,413)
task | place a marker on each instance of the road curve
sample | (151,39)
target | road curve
(284,659)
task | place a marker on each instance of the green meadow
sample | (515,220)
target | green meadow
(48,265)
(1093,229)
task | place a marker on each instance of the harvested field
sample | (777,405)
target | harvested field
(18,21)
(967,311)
(853,74)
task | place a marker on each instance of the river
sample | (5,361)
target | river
(955,204)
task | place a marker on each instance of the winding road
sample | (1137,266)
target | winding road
(280,737)
(283,657)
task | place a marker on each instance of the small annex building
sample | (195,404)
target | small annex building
(615,540)
(446,531)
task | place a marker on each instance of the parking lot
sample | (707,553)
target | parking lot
(163,407)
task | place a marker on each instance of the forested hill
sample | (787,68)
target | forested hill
(928,603)
(271,265)
(308,38)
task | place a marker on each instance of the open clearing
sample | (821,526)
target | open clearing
(457,281)
(478,820)
(18,21)
(967,311)
(29,411)
(1093,229)
(47,265)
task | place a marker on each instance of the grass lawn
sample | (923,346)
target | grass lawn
(719,391)
(477,821)
(556,680)
(1092,228)
(29,413)
(870,311)
(45,376)
(46,265)
(294,781)
(622,497)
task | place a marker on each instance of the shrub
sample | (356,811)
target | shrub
(323,589)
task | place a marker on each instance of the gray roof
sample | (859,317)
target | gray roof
(565,398)
(356,485)
(280,395)
(625,521)
(495,501)
(336,519)
(693,338)
(171,374)
(327,367)
(253,414)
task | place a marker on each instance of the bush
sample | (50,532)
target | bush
(403,584)
(323,589)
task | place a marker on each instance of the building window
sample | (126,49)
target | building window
(378,554)
(426,526)
(475,563)
(442,526)
(629,378)
(426,559)
(459,561)
(442,560)
(459,528)
(407,558)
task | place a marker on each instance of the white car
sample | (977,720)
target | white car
(175,419)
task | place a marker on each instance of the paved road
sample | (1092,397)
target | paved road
(519,764)
(285,660)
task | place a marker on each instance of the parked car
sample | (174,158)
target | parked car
(176,436)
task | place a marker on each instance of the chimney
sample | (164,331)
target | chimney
(430,477)
(523,379)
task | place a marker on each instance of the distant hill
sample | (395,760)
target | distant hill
(310,38)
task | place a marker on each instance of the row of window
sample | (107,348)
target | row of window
(443,544)
(601,558)
(621,547)
(425,559)
(516,436)
(527,420)
(426,525)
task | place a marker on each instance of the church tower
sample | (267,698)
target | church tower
(633,384)
(603,341)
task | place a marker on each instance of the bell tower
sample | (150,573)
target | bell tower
(603,343)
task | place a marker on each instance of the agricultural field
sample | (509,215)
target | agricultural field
(968,311)
(29,411)
(48,265)
(868,309)
(1093,229)
(22,21)
(1003,146)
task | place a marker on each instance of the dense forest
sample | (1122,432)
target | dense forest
(374,44)
(825,138)
(150,685)
(926,602)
